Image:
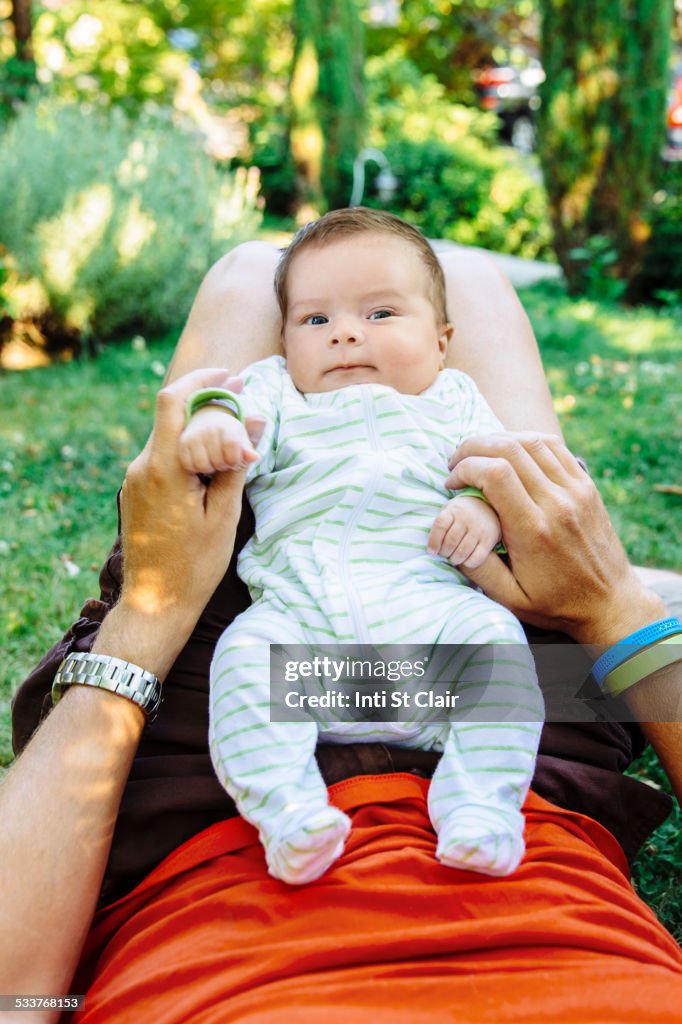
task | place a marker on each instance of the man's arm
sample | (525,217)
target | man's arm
(59,801)
(566,569)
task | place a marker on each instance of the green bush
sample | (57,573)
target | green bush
(113,223)
(471,195)
(269,152)
(455,182)
(661,275)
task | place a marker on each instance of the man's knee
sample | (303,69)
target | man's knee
(248,258)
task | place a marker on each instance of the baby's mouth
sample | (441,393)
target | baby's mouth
(350,366)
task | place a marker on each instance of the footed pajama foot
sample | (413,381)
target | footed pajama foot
(476,838)
(307,844)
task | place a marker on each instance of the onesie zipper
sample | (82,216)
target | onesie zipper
(357,615)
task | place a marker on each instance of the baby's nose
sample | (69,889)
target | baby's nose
(346,329)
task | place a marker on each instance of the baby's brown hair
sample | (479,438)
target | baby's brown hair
(359,220)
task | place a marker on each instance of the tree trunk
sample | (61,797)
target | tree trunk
(23,31)
(601,129)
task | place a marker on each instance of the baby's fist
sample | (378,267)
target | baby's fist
(214,441)
(465,531)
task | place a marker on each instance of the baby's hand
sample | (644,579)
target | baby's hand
(465,531)
(214,441)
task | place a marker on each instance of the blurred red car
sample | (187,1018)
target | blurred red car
(512,93)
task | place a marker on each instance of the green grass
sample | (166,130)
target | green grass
(67,433)
(615,377)
(657,872)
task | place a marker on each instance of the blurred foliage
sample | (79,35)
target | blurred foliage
(279,84)
(17,82)
(595,261)
(136,50)
(7,309)
(113,223)
(449,38)
(454,182)
(660,278)
(131,52)
(326,100)
(341,94)
(602,124)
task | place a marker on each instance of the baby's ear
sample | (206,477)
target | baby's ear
(444,338)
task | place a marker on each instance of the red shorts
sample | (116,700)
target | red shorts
(388,934)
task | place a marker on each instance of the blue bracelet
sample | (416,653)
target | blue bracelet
(625,649)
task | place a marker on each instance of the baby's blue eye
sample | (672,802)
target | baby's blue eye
(316,320)
(380,314)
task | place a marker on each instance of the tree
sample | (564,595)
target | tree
(21,20)
(601,125)
(340,95)
(18,73)
(327,98)
(451,38)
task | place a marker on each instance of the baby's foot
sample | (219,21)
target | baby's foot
(307,844)
(484,839)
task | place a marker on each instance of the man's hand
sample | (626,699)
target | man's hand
(178,535)
(567,569)
(214,441)
(465,531)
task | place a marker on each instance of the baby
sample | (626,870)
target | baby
(357,540)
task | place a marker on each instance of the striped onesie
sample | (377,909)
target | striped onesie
(345,493)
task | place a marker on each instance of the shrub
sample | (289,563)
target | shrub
(661,275)
(470,195)
(455,182)
(270,153)
(115,221)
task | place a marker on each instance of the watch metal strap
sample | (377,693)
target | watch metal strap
(112,674)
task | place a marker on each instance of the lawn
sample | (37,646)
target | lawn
(68,431)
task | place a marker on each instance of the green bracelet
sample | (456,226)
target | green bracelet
(473,492)
(226,400)
(642,664)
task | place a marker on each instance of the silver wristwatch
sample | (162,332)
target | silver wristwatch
(111,674)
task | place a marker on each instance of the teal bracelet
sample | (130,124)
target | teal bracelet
(631,644)
(473,492)
(219,397)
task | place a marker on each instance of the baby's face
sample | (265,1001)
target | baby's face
(360,312)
